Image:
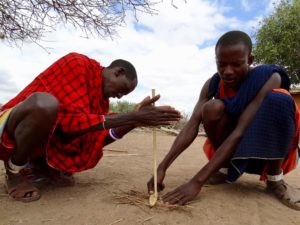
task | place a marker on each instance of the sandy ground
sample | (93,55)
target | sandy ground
(92,201)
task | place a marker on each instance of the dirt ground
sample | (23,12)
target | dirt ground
(99,194)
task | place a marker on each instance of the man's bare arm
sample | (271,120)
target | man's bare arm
(183,140)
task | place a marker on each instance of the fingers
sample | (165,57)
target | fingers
(148,100)
(142,103)
(145,100)
(162,122)
(172,197)
(175,197)
(150,185)
(154,99)
(183,201)
(160,186)
(169,109)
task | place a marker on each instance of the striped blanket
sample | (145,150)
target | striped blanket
(3,118)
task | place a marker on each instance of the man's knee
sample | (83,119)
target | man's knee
(213,110)
(43,105)
(278,99)
(40,108)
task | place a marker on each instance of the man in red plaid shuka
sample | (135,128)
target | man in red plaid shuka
(58,124)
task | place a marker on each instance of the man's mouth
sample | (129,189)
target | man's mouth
(229,81)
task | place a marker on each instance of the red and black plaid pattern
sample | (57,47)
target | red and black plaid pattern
(76,81)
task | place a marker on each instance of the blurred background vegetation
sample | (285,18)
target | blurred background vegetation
(277,39)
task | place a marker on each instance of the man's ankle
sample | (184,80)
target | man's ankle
(12,168)
(275,178)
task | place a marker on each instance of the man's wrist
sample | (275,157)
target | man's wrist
(162,166)
(198,180)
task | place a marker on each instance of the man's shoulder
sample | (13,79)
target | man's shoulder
(80,59)
(268,68)
(76,55)
(265,71)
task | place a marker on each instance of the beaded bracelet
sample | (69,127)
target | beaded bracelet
(113,134)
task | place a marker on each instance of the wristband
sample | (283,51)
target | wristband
(113,134)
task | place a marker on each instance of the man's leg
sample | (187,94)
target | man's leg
(217,127)
(277,116)
(29,124)
(40,169)
(275,184)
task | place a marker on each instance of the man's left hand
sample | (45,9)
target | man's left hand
(146,102)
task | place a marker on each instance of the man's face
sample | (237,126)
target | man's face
(116,84)
(233,64)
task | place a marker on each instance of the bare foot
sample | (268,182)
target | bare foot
(285,193)
(55,177)
(20,189)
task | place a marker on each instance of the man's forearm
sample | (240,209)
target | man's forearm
(127,121)
(120,131)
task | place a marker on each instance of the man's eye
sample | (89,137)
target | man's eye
(236,64)
(221,64)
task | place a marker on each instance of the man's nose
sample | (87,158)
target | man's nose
(228,70)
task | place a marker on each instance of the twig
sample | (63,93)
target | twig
(117,221)
(133,154)
(113,150)
(47,220)
(147,219)
(140,199)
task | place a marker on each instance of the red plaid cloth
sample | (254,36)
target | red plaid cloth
(76,81)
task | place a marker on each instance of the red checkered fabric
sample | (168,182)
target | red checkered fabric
(76,81)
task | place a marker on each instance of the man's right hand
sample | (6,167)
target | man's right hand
(160,185)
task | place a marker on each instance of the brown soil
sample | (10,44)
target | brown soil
(115,193)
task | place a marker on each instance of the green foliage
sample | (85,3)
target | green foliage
(121,106)
(278,38)
(181,123)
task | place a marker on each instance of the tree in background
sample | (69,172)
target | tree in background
(178,125)
(121,107)
(278,38)
(29,20)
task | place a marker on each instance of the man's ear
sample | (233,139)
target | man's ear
(119,71)
(250,59)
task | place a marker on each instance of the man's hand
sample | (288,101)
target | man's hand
(149,115)
(146,102)
(183,194)
(160,185)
